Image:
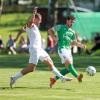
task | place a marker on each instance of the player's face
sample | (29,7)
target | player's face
(38,21)
(69,23)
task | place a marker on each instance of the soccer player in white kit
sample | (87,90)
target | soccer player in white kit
(35,50)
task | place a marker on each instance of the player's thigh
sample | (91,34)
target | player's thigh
(65,55)
(44,57)
(34,56)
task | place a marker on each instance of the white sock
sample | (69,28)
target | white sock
(17,75)
(56,72)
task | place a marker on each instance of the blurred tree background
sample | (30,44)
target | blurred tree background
(15,13)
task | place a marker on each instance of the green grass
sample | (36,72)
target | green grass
(35,86)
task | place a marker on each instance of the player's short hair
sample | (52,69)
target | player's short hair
(70,17)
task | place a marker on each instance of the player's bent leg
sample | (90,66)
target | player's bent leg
(63,79)
(73,71)
(52,67)
(46,59)
(64,71)
(30,68)
(56,72)
(53,80)
(71,68)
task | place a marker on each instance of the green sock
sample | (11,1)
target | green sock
(72,70)
(63,72)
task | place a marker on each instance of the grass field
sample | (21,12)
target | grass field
(35,86)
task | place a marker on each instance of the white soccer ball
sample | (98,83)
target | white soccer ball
(90,70)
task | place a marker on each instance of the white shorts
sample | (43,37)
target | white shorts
(37,54)
(65,54)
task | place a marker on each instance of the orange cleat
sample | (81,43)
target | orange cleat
(80,77)
(52,81)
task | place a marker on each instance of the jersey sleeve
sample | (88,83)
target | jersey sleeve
(56,28)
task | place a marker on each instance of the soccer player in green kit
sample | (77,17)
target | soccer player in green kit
(66,37)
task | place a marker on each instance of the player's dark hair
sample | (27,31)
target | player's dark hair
(70,17)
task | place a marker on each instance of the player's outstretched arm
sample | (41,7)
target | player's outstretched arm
(77,37)
(78,44)
(32,17)
(18,34)
(52,34)
(28,24)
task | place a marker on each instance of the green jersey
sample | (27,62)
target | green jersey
(65,36)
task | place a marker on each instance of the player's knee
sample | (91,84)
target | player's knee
(31,68)
(67,63)
(50,63)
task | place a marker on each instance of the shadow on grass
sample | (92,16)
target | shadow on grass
(35,88)
(21,61)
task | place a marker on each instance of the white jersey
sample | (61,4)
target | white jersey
(35,48)
(34,36)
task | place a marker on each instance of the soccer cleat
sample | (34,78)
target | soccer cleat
(80,77)
(64,78)
(12,81)
(52,81)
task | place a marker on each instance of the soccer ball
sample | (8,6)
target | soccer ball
(90,70)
